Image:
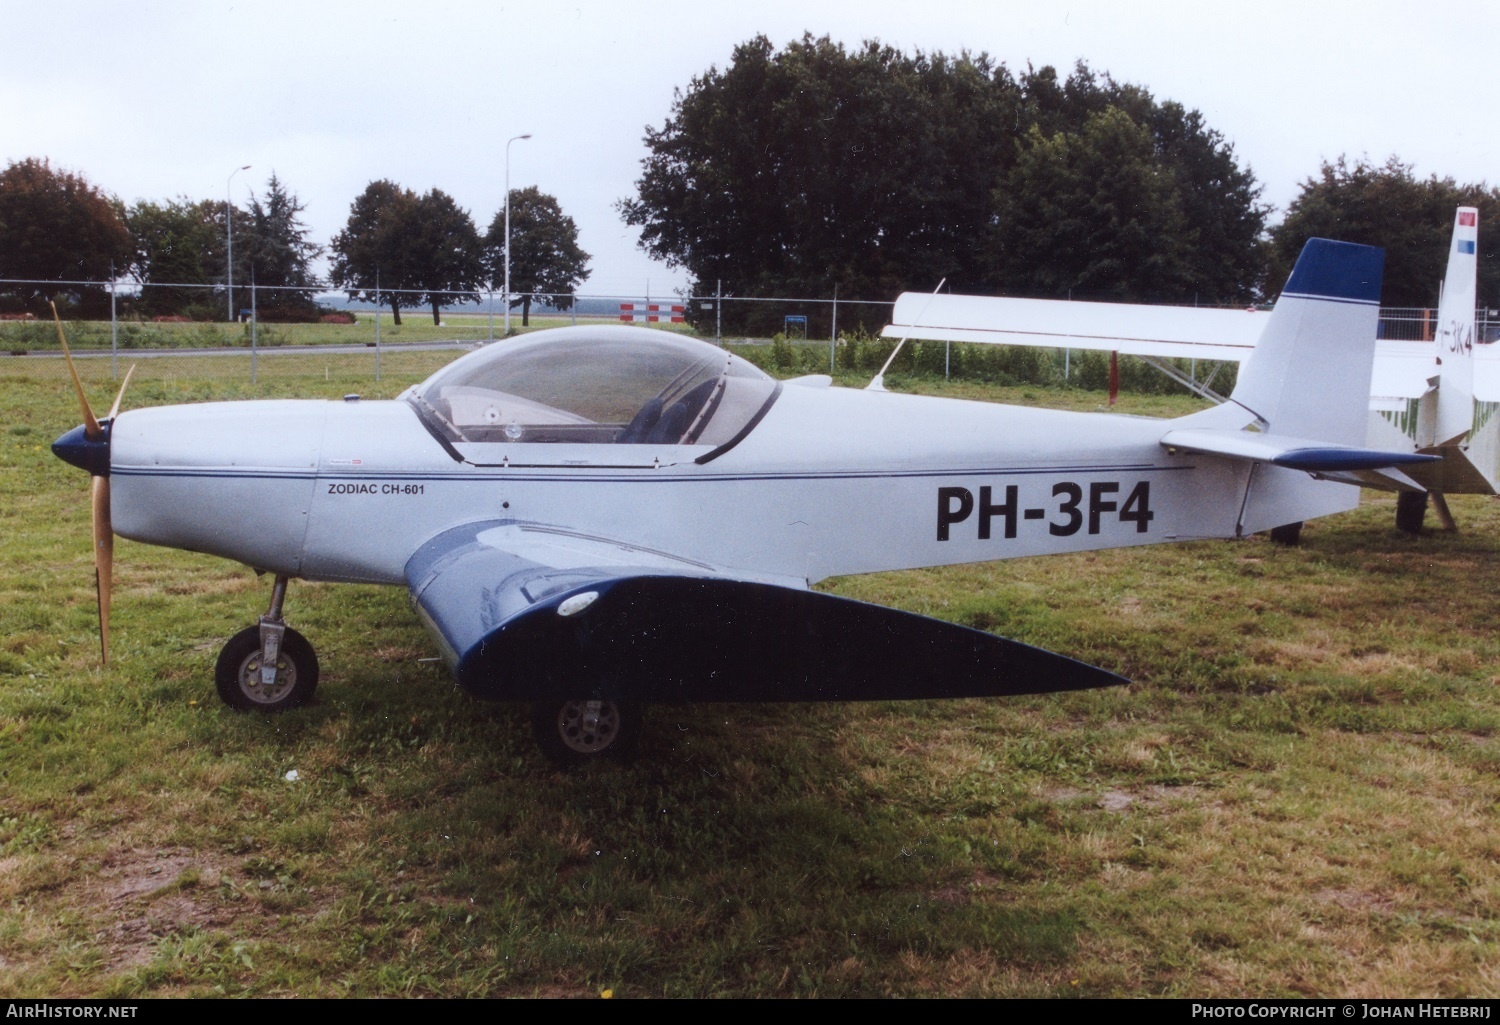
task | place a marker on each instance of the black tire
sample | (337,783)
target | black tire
(237,673)
(569,735)
(1411,509)
(1287,533)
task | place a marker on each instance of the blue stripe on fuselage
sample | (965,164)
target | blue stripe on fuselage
(645,476)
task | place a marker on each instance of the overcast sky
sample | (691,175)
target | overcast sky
(154,100)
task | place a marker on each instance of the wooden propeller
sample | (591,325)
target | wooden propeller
(104,534)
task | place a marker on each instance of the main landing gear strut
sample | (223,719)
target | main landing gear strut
(269,666)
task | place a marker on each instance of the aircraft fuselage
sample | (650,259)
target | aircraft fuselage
(831,481)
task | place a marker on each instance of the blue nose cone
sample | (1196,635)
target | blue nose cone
(85,453)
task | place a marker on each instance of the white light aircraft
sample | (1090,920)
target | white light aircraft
(1437,398)
(594,519)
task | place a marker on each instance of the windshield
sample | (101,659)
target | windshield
(604,384)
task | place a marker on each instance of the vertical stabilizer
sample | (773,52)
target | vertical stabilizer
(1455,337)
(1309,376)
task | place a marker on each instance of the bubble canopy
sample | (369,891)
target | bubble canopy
(596,385)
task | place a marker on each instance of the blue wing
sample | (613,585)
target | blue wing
(533,614)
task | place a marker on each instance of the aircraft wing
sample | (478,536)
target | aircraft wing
(1409,370)
(1487,372)
(1402,370)
(532,613)
(1137,330)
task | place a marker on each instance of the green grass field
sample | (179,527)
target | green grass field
(131,335)
(1296,797)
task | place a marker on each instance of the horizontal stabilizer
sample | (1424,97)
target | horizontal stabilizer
(1384,479)
(516,630)
(1294,453)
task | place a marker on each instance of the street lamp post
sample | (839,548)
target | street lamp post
(505,299)
(229,256)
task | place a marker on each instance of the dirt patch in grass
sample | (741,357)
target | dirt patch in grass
(134,873)
(1354,900)
(150,894)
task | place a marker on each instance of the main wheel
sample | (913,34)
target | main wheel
(1411,509)
(237,675)
(578,732)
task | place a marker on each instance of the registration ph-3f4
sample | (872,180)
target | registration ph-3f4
(595,519)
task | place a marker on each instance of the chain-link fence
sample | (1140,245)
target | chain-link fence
(1420,325)
(283,333)
(280,331)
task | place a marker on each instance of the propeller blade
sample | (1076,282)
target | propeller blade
(104,531)
(115,409)
(104,537)
(91,426)
(104,558)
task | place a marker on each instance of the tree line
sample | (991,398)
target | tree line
(796,171)
(813,171)
(56,227)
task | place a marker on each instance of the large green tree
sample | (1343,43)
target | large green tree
(1092,213)
(1388,205)
(179,255)
(277,254)
(813,167)
(56,228)
(797,170)
(546,262)
(369,258)
(419,249)
(449,257)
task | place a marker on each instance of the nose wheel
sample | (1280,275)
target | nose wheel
(268,667)
(247,681)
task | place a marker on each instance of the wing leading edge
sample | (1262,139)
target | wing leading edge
(1133,328)
(667,631)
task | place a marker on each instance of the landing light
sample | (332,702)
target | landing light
(576,604)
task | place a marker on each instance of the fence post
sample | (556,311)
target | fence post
(114,339)
(833,334)
(718,310)
(254,326)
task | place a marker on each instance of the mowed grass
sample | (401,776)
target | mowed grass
(1296,796)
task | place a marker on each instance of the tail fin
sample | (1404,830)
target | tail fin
(1299,411)
(1309,376)
(1455,336)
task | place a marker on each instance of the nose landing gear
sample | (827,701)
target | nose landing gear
(268,667)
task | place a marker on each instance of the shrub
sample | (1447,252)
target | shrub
(783,356)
